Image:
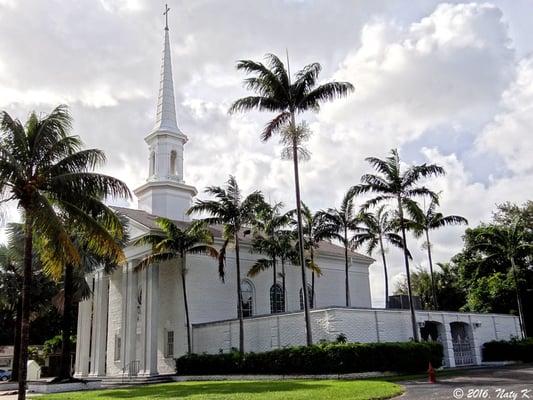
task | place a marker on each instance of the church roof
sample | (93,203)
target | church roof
(149,221)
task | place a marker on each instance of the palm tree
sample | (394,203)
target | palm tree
(112,238)
(377,229)
(392,184)
(421,222)
(173,244)
(44,170)
(234,213)
(314,233)
(339,223)
(268,225)
(275,92)
(287,252)
(508,242)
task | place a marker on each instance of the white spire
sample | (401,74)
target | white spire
(166,104)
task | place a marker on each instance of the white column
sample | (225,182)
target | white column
(150,321)
(99,329)
(83,338)
(476,345)
(129,316)
(448,346)
(144,285)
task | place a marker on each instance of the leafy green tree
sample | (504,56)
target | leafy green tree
(447,286)
(423,221)
(44,316)
(507,212)
(377,229)
(45,172)
(339,223)
(277,93)
(393,184)
(508,243)
(173,244)
(236,214)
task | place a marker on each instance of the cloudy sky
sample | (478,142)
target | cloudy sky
(450,83)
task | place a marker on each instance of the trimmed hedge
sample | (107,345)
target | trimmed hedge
(512,350)
(318,359)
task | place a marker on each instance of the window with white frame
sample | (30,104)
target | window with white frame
(247,292)
(277,299)
(310,297)
(169,347)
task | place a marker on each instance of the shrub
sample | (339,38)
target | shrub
(331,358)
(512,350)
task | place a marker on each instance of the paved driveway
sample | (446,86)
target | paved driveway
(507,383)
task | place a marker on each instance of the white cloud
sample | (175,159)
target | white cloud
(509,134)
(448,68)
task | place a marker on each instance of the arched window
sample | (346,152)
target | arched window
(277,299)
(173,156)
(247,291)
(310,296)
(152,163)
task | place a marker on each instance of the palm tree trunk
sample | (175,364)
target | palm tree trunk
(66,323)
(346,275)
(186,304)
(239,296)
(283,283)
(312,299)
(16,347)
(309,335)
(433,289)
(406,260)
(518,300)
(385,273)
(25,321)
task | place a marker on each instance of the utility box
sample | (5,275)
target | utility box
(34,371)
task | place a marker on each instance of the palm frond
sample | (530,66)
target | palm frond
(326,92)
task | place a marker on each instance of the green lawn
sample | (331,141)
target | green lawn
(253,390)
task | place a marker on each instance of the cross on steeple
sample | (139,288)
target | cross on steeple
(167,9)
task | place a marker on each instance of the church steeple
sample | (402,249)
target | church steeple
(165,193)
(166,104)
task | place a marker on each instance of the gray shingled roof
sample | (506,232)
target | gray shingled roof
(149,221)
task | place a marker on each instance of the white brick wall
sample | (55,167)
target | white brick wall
(359,325)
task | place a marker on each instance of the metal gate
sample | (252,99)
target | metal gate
(462,347)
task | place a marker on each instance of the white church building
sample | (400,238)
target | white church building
(134,324)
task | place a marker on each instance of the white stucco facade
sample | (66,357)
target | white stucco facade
(134,324)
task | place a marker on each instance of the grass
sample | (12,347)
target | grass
(249,390)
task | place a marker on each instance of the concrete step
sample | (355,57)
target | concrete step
(115,381)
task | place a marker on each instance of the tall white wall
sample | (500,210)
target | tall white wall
(359,325)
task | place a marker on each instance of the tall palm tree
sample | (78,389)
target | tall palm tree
(339,223)
(44,170)
(276,93)
(234,213)
(393,184)
(172,245)
(421,222)
(508,243)
(375,230)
